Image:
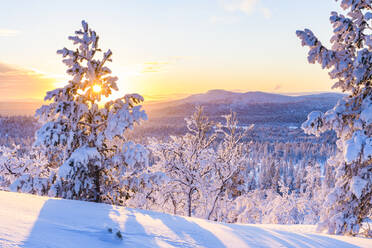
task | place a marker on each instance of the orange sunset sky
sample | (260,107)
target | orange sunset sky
(167,49)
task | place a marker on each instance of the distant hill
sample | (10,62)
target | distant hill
(249,104)
(234,97)
(214,100)
(252,97)
(276,117)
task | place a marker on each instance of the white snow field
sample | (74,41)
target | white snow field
(37,222)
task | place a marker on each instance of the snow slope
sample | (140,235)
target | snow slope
(34,221)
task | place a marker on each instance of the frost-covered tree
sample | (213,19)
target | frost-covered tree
(228,177)
(185,162)
(85,137)
(350,63)
(203,171)
(268,206)
(24,171)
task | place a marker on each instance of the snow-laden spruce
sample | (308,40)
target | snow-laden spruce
(350,64)
(86,138)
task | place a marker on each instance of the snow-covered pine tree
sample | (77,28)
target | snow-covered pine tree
(96,162)
(350,63)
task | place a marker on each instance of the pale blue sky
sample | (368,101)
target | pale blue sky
(191,46)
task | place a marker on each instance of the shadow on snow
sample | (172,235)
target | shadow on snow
(65,223)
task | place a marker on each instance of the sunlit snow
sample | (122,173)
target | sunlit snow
(36,222)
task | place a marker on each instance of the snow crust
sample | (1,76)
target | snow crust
(33,221)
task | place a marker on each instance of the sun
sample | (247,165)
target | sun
(97,88)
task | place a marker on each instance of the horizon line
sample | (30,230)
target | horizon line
(159,98)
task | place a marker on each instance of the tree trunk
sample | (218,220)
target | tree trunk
(189,202)
(213,207)
(97,192)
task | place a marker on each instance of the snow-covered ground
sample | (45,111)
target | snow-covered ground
(33,221)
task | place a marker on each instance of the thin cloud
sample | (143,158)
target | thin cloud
(222,19)
(159,66)
(277,87)
(21,83)
(245,6)
(266,13)
(8,32)
(154,66)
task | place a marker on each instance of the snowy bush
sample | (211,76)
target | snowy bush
(24,171)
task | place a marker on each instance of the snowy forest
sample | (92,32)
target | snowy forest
(81,145)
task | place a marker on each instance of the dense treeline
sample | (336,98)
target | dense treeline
(262,171)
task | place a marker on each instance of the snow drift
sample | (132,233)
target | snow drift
(33,221)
